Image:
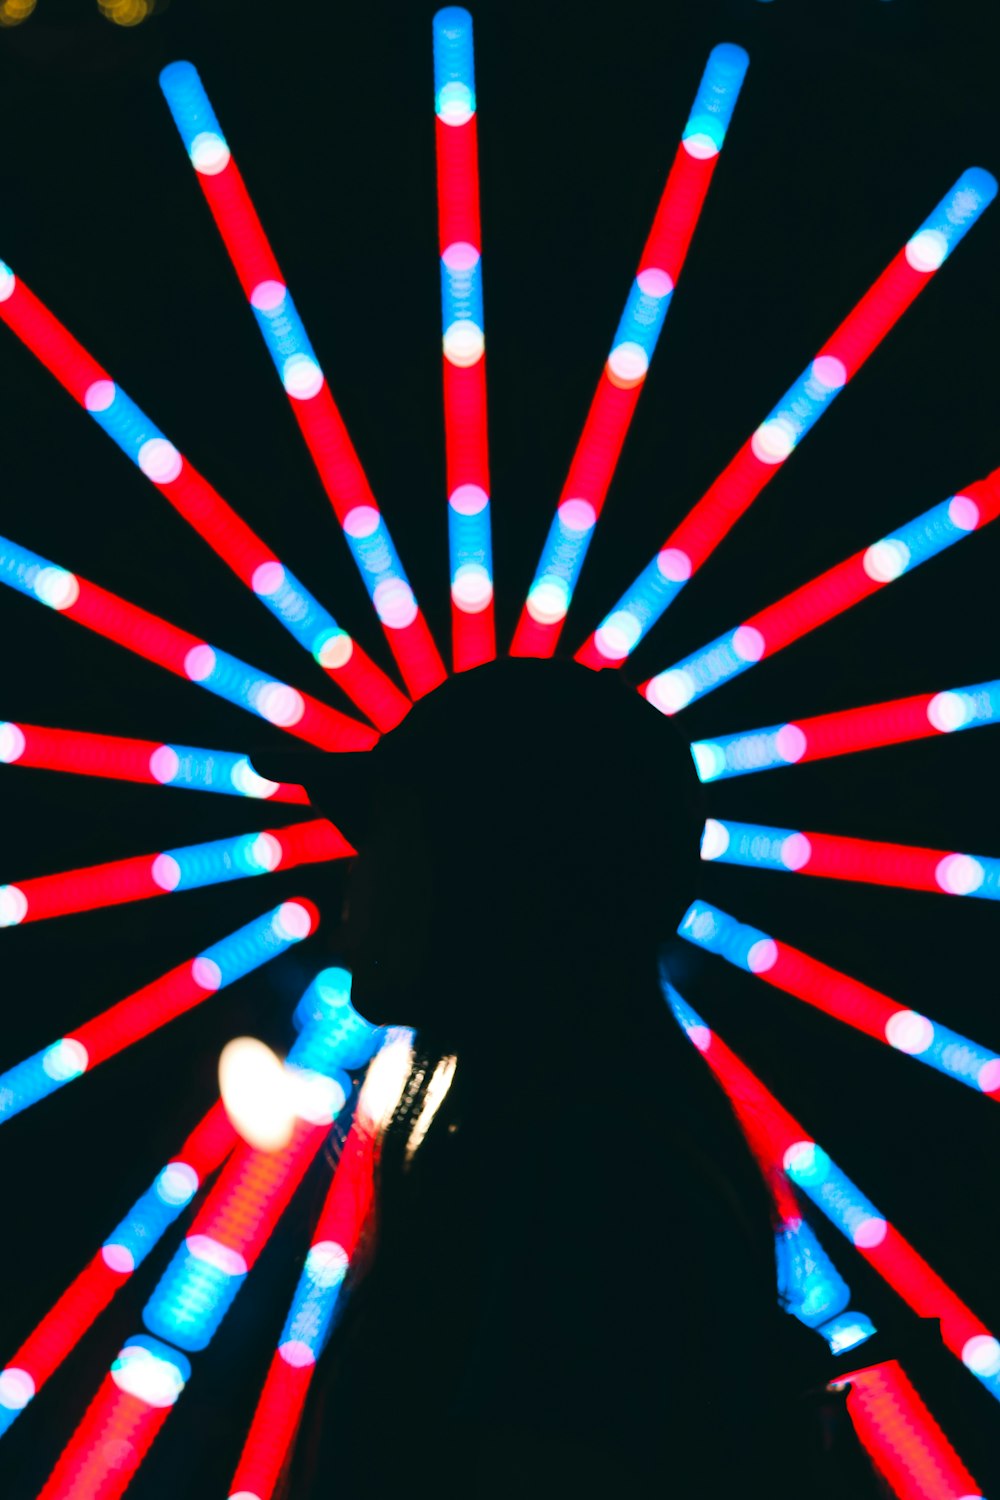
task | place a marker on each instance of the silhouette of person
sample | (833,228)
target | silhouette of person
(570,1286)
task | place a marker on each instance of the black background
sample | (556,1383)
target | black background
(854,120)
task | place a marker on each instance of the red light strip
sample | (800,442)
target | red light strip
(106,1450)
(902,1438)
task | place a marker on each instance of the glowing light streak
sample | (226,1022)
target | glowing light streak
(835,858)
(312,404)
(825,597)
(902,1438)
(191,495)
(846,999)
(123,1251)
(185,655)
(151,1007)
(184,869)
(332,1035)
(465,425)
(764,453)
(781,1142)
(593,465)
(847,731)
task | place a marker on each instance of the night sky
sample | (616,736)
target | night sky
(854,121)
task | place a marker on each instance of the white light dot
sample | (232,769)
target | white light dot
(674,564)
(472,588)
(464,343)
(177,1183)
(981,1354)
(362,521)
(16,1386)
(118,1258)
(886,560)
(301,377)
(206,973)
(266,851)
(257,1094)
(578,515)
(829,371)
(316,1098)
(748,643)
(773,441)
(460,256)
(292,920)
(208,1250)
(199,663)
(709,759)
(910,1032)
(455,104)
(654,283)
(56,588)
(700,146)
(8,281)
(963,512)
(959,874)
(790,743)
(246,781)
(336,651)
(297,1354)
(160,461)
(99,395)
(762,955)
(267,578)
(671,691)
(618,635)
(804,1159)
(796,851)
(627,364)
(927,250)
(714,840)
(166,872)
(700,1036)
(947,711)
(394,603)
(164,763)
(267,295)
(209,153)
(548,601)
(65,1059)
(12,743)
(13,905)
(279,704)
(869,1232)
(327,1263)
(154,1380)
(989,1076)
(468,499)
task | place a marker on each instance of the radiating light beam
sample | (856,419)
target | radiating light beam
(903,1440)
(185,655)
(825,597)
(847,731)
(76,752)
(125,1248)
(764,453)
(473,634)
(870,861)
(183,869)
(776,1134)
(600,444)
(204,509)
(848,1000)
(320,422)
(151,1007)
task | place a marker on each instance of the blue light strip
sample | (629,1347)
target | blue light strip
(376,557)
(332,1035)
(314,1303)
(717,932)
(809,1285)
(716,99)
(454,62)
(151,1216)
(38,1076)
(191,1299)
(214,771)
(189,104)
(219,860)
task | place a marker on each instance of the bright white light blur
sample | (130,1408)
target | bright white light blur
(199,663)
(266,851)
(336,651)
(773,441)
(209,153)
(267,295)
(806,1161)
(959,874)
(868,1233)
(886,560)
(386,1079)
(618,635)
(909,1032)
(700,1037)
(709,759)
(394,603)
(301,377)
(65,1059)
(258,1094)
(118,1258)
(748,643)
(326,1263)
(627,364)
(177,1183)
(8,281)
(927,250)
(434,1096)
(548,601)
(160,461)
(790,743)
(279,704)
(981,1354)
(208,1250)
(13,905)
(16,1386)
(56,588)
(947,711)
(362,521)
(963,513)
(164,763)
(315,1097)
(714,840)
(671,691)
(455,104)
(292,921)
(460,256)
(464,343)
(578,515)
(674,564)
(267,578)
(99,395)
(700,146)
(141,1373)
(297,1353)
(830,371)
(468,499)
(206,973)
(762,955)
(166,872)
(989,1076)
(654,283)
(12,743)
(471,588)
(796,851)
(245,779)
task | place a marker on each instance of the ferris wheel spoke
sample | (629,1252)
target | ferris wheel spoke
(871,861)
(600,444)
(824,597)
(784,1145)
(124,1250)
(847,731)
(313,406)
(846,999)
(155,1004)
(156,640)
(191,495)
(464,360)
(764,453)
